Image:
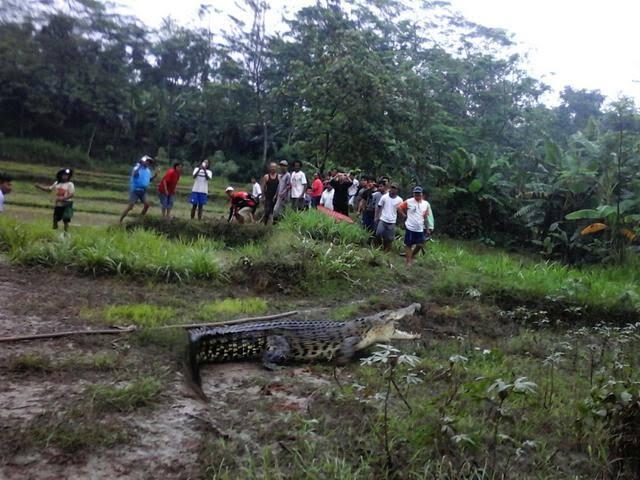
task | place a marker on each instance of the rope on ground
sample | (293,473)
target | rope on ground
(133,328)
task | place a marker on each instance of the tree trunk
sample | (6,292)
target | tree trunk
(93,136)
(265,143)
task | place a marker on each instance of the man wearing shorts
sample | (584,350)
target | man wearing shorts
(141,177)
(387,215)
(418,213)
(200,189)
(167,188)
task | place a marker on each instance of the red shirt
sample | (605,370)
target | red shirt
(241,199)
(316,188)
(170,179)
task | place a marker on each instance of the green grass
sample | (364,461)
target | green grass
(142,392)
(140,315)
(231,307)
(318,226)
(461,266)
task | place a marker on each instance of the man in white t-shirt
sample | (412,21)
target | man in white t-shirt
(419,221)
(298,186)
(200,190)
(386,216)
(5,188)
(326,200)
(353,189)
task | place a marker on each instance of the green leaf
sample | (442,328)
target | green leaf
(580,214)
(475,186)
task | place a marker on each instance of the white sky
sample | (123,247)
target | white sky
(583,43)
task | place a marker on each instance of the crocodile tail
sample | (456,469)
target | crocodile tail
(192,367)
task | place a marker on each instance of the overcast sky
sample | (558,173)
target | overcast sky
(583,43)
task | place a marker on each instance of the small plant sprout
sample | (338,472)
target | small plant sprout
(387,358)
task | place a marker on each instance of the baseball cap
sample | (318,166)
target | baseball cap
(418,190)
(283,163)
(394,185)
(229,189)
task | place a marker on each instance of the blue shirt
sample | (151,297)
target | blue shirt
(142,179)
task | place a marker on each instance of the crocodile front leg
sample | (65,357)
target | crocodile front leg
(278,349)
(347,349)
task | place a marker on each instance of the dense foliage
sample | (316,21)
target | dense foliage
(418,93)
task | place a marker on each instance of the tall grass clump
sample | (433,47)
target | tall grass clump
(492,272)
(231,234)
(100,251)
(318,226)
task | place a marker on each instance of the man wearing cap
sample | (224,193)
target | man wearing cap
(419,221)
(141,177)
(242,205)
(64,190)
(387,215)
(284,189)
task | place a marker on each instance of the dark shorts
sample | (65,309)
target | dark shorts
(198,198)
(64,213)
(166,201)
(414,238)
(136,195)
(368,221)
(386,230)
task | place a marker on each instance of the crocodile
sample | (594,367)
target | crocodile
(277,342)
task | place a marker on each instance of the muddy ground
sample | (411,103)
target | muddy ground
(163,440)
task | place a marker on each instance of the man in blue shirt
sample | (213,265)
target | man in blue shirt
(141,177)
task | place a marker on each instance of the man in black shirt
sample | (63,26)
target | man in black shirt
(341,183)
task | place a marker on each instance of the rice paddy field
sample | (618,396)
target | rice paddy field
(524,369)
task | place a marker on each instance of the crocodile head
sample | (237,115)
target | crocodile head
(383,328)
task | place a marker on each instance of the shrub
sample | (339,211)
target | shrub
(41,151)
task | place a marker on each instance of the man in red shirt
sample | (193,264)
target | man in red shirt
(167,188)
(243,206)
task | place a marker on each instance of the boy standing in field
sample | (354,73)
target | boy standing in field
(167,188)
(141,177)
(387,215)
(64,190)
(200,189)
(5,188)
(419,223)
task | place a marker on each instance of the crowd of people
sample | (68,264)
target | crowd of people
(375,201)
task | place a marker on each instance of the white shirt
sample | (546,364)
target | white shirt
(326,200)
(353,189)
(388,205)
(201,182)
(62,189)
(417,213)
(257,191)
(298,182)
(1,201)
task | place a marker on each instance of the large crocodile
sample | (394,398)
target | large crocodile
(280,341)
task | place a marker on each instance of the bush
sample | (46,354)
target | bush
(26,150)
(232,234)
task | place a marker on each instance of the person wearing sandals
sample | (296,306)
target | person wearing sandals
(141,176)
(200,189)
(64,190)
